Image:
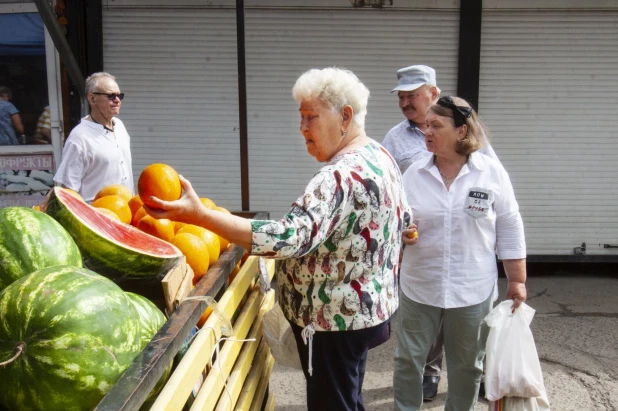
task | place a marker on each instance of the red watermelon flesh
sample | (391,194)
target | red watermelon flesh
(110,247)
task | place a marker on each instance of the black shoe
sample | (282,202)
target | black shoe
(482,389)
(430,388)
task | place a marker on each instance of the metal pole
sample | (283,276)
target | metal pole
(66,56)
(242,104)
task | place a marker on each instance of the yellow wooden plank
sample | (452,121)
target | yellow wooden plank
(175,393)
(270,402)
(249,389)
(256,391)
(230,395)
(213,384)
(260,392)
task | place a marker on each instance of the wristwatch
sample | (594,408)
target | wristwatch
(22,139)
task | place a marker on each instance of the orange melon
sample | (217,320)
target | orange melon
(160,228)
(210,238)
(114,190)
(117,204)
(161,181)
(196,252)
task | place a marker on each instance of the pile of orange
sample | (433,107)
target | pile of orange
(200,246)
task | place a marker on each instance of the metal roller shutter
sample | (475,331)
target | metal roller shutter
(282,44)
(179,71)
(549,94)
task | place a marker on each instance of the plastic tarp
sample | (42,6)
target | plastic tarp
(21,34)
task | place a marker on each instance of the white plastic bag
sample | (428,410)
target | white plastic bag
(520,404)
(512,364)
(279,337)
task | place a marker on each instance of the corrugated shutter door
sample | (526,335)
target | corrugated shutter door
(549,94)
(179,71)
(374,44)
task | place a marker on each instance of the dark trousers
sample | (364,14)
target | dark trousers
(338,359)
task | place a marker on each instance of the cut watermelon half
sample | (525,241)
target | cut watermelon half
(109,247)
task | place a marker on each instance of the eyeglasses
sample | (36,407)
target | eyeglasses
(111,96)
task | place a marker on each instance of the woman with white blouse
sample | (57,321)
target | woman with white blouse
(464,209)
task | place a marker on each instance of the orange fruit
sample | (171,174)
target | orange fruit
(135,203)
(204,317)
(114,190)
(208,203)
(108,213)
(223,242)
(196,252)
(161,181)
(139,214)
(178,225)
(160,228)
(116,204)
(210,238)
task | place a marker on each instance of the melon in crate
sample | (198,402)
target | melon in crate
(111,248)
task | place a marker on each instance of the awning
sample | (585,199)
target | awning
(21,34)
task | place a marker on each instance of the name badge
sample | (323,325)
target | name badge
(478,202)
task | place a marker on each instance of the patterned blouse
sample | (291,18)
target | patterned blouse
(338,246)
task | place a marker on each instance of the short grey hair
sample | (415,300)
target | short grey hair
(337,87)
(4,90)
(92,82)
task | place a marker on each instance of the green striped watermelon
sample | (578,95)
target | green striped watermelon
(151,319)
(80,332)
(109,247)
(31,240)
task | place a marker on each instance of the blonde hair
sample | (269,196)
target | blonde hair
(477,134)
(337,87)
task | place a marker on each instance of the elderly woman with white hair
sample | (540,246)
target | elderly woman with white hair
(337,249)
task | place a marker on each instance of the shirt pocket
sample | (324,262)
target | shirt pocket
(478,202)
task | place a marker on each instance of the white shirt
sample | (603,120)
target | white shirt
(93,158)
(454,264)
(406,143)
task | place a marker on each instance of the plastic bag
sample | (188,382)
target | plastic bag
(279,337)
(520,404)
(512,363)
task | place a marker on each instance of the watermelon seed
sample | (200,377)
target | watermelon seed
(19,348)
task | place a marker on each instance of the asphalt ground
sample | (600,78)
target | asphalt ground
(576,334)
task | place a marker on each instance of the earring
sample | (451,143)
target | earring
(344,133)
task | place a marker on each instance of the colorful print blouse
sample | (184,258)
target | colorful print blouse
(338,246)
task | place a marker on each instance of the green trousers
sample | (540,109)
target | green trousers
(465,335)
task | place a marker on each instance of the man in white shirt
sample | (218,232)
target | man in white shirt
(417,90)
(97,153)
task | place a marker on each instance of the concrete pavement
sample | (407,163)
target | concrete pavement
(576,334)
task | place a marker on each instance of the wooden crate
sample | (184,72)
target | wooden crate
(133,387)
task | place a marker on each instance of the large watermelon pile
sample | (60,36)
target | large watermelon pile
(79,332)
(66,332)
(31,240)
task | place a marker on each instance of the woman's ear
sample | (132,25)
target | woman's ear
(462,131)
(347,113)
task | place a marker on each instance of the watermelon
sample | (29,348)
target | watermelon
(31,240)
(80,333)
(151,321)
(109,247)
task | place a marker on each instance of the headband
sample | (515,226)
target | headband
(460,113)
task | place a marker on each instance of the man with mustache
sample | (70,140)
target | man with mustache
(417,91)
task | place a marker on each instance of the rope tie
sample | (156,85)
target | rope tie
(307,334)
